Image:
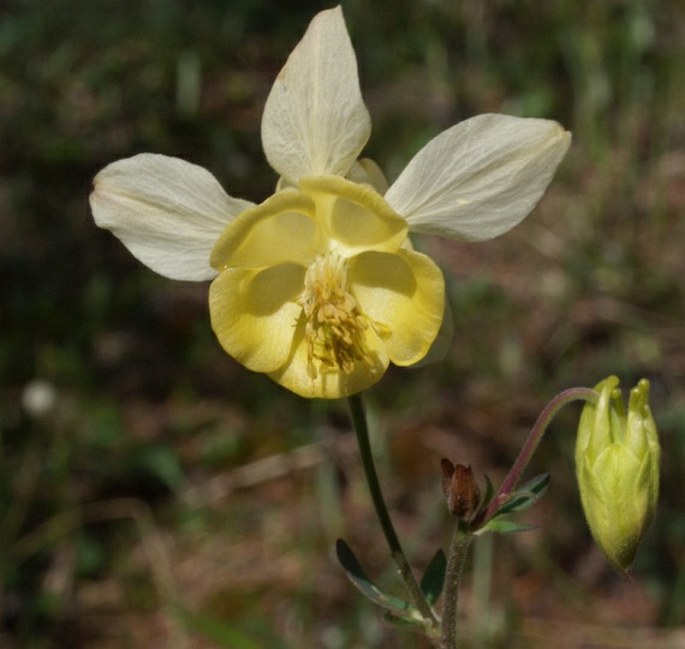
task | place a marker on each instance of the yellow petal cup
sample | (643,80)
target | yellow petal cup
(319,288)
(617,465)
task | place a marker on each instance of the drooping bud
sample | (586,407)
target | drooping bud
(617,465)
(461,490)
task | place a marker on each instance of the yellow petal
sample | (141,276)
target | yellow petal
(404,294)
(254,313)
(354,217)
(331,385)
(443,341)
(280,230)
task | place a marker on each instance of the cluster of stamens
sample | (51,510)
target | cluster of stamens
(334,328)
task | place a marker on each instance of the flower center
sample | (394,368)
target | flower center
(335,327)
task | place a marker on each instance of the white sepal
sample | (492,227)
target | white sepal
(479,178)
(315,121)
(167,212)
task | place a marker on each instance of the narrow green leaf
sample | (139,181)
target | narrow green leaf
(499,526)
(392,605)
(349,561)
(434,578)
(526,496)
(538,485)
(404,621)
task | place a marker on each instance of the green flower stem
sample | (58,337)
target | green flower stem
(361,428)
(532,442)
(456,558)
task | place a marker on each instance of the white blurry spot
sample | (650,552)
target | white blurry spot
(39,398)
(332,638)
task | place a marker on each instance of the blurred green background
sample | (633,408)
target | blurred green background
(153,493)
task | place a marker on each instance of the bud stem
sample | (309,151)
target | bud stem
(533,440)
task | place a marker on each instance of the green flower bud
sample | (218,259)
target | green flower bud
(617,465)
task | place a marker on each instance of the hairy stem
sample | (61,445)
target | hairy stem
(456,558)
(533,441)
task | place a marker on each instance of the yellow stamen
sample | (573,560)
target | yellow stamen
(334,327)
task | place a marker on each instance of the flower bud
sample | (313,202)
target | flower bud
(617,465)
(461,490)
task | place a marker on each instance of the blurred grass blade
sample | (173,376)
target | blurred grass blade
(227,635)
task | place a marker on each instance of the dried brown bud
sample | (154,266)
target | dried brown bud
(461,490)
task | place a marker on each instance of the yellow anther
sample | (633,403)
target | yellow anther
(335,326)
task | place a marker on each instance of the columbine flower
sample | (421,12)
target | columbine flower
(617,464)
(319,286)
